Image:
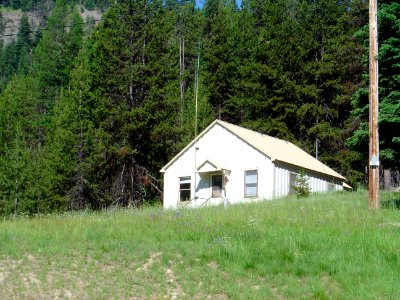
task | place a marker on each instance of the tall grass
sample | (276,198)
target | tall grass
(327,246)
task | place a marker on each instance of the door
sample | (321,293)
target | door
(216,184)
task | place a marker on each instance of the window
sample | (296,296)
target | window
(216,183)
(292,182)
(250,183)
(331,186)
(184,188)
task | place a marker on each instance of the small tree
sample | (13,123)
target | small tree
(302,186)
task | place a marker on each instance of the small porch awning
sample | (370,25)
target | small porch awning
(346,186)
(210,167)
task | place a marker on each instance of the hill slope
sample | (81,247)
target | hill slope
(328,246)
(12,19)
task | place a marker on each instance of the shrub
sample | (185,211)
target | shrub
(302,186)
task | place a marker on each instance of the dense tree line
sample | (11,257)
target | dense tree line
(87,118)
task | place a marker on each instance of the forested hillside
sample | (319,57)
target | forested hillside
(89,114)
(29,5)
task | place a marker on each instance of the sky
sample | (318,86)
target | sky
(199,3)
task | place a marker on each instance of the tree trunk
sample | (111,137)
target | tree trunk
(16,196)
(387,180)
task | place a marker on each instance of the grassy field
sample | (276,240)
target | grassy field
(324,247)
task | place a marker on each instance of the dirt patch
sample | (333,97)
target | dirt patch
(217,297)
(394,224)
(200,296)
(213,265)
(3,276)
(277,293)
(154,257)
(175,291)
(80,277)
(332,287)
(7,266)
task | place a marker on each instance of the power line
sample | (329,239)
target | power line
(116,17)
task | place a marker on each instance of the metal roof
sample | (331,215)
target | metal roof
(276,149)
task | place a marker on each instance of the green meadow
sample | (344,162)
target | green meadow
(327,246)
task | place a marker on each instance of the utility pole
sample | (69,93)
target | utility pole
(373,195)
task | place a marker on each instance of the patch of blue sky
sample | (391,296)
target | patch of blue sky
(200,3)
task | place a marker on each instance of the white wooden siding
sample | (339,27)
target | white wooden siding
(318,182)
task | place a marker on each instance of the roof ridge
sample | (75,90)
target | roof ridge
(263,134)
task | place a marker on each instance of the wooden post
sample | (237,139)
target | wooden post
(373,199)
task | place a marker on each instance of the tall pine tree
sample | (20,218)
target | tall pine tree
(389,96)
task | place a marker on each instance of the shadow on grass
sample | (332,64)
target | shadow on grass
(392,203)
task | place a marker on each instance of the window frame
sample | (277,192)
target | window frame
(331,186)
(182,178)
(246,184)
(292,186)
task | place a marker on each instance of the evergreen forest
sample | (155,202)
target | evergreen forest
(90,112)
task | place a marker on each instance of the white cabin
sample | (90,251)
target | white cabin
(229,164)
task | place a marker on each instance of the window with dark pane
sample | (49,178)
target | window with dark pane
(184,188)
